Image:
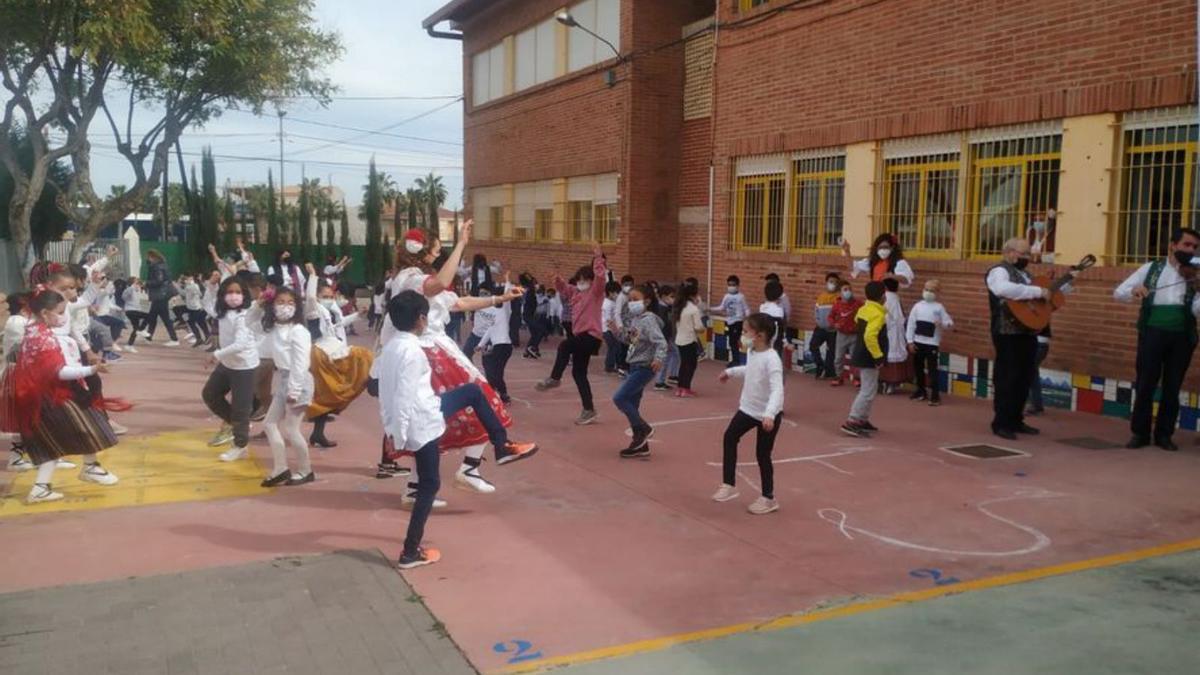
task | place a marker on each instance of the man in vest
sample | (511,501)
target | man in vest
(1166,288)
(1016,345)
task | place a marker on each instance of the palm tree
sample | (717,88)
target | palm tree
(434,191)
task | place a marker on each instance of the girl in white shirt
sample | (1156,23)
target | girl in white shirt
(292,388)
(340,370)
(14,332)
(137,310)
(688,329)
(236,362)
(760,408)
(197,318)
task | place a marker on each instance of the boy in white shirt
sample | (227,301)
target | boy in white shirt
(734,308)
(924,333)
(610,318)
(496,344)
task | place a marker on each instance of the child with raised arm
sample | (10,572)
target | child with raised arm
(647,351)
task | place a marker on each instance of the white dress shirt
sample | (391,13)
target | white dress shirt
(411,413)
(1171,289)
(1002,287)
(291,348)
(903,270)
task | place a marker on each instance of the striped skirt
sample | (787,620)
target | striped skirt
(70,428)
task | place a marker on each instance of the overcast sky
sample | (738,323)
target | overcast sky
(387,53)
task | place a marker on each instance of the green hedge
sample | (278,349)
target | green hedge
(176,255)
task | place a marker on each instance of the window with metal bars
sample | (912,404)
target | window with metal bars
(759,212)
(1158,190)
(496,222)
(747,5)
(579,221)
(1014,182)
(920,201)
(819,190)
(606,219)
(542,220)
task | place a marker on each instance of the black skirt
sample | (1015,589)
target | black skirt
(73,427)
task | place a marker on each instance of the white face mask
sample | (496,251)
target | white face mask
(847,295)
(747,343)
(831,287)
(328,303)
(733,290)
(583,285)
(285,312)
(627,288)
(57,320)
(929,296)
(636,307)
(234,300)
(413,247)
(884,253)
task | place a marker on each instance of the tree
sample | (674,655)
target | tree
(304,220)
(229,218)
(319,211)
(433,193)
(346,231)
(47,223)
(205,212)
(61,61)
(372,208)
(331,212)
(413,198)
(272,214)
(385,258)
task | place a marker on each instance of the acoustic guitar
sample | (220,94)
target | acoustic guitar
(1035,314)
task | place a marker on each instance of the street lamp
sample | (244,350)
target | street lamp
(565,18)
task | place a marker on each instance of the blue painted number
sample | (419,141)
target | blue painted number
(934,574)
(519,650)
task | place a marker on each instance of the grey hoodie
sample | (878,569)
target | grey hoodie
(645,337)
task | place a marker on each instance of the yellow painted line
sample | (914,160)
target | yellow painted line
(793,620)
(176,466)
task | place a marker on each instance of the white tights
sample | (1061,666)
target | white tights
(283,424)
(45,470)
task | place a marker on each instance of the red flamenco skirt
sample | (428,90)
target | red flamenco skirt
(463,429)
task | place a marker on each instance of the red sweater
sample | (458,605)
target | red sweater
(842,316)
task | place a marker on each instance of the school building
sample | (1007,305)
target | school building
(744,136)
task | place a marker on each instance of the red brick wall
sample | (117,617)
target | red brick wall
(696,139)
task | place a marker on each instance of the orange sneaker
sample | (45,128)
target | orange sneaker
(424,556)
(515,452)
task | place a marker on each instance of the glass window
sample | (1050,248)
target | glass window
(542,219)
(1158,190)
(920,200)
(759,212)
(606,219)
(1014,182)
(579,217)
(819,186)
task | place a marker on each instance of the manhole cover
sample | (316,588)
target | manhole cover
(984,451)
(1088,443)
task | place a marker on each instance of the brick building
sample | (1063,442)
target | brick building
(746,136)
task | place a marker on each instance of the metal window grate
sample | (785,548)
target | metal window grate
(542,220)
(818,198)
(579,215)
(1013,182)
(1158,190)
(759,212)
(920,201)
(496,222)
(606,219)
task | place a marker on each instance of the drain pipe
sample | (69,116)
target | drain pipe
(434,33)
(712,177)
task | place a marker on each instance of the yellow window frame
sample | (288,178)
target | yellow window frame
(747,5)
(543,220)
(1022,161)
(822,178)
(897,170)
(740,224)
(576,221)
(603,216)
(496,222)
(1189,149)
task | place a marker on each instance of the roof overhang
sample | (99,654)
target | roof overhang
(454,12)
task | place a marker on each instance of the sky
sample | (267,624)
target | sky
(388,54)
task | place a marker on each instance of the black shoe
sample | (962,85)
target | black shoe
(321,442)
(634,453)
(662,386)
(1026,429)
(641,438)
(274,481)
(867,426)
(935,402)
(506,399)
(307,478)
(1137,442)
(917,396)
(1006,434)
(390,470)
(1167,444)
(258,415)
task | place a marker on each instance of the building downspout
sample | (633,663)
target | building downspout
(434,33)
(712,168)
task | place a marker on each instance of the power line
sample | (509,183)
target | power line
(369,148)
(375,98)
(374,132)
(367,133)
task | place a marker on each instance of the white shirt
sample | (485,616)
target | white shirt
(498,332)
(209,299)
(102,301)
(733,306)
(1000,286)
(411,413)
(69,346)
(689,325)
(762,388)
(291,348)
(897,346)
(786,303)
(14,332)
(333,323)
(903,270)
(1171,287)
(774,310)
(239,346)
(609,315)
(926,318)
(192,297)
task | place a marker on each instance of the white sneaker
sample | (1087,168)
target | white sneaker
(118,428)
(762,506)
(131,349)
(410,498)
(41,492)
(94,473)
(725,493)
(234,454)
(469,478)
(145,335)
(190,338)
(171,343)
(18,462)
(117,348)
(64,464)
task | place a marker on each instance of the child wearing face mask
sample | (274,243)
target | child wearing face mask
(197,318)
(924,332)
(496,342)
(647,351)
(734,308)
(670,369)
(842,319)
(46,399)
(760,409)
(340,370)
(236,362)
(610,314)
(825,333)
(291,390)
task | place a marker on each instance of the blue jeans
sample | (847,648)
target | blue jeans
(612,356)
(428,462)
(671,365)
(471,396)
(469,347)
(629,396)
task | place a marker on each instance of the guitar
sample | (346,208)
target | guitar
(1035,314)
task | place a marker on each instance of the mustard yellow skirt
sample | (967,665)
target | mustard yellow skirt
(338,382)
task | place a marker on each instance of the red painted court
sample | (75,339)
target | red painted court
(580,550)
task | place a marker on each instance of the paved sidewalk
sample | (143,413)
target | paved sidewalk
(343,612)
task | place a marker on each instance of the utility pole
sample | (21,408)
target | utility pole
(166,195)
(282,182)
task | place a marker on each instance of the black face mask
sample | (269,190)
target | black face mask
(1021,263)
(1183,258)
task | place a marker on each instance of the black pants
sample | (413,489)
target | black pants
(197,320)
(579,350)
(1013,372)
(236,413)
(733,334)
(926,365)
(826,337)
(739,426)
(494,363)
(158,310)
(539,327)
(566,326)
(689,356)
(1162,356)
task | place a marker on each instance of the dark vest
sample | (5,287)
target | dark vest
(1151,282)
(1003,321)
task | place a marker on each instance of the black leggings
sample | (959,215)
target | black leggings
(197,320)
(579,350)
(689,356)
(158,310)
(765,444)
(493,366)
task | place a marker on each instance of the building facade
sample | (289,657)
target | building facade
(747,136)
